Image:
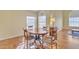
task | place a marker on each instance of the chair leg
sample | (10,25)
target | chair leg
(56,45)
(53,44)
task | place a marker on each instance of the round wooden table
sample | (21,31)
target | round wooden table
(38,34)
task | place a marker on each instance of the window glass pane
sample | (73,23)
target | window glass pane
(30,22)
(74,21)
(41,22)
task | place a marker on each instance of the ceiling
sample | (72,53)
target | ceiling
(52,12)
(74,13)
(48,12)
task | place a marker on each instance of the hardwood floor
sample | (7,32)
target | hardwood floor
(65,41)
(10,43)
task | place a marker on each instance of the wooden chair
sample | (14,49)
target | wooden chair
(28,39)
(30,28)
(53,34)
(26,36)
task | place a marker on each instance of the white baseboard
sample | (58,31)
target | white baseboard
(4,38)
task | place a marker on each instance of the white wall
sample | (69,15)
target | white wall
(12,23)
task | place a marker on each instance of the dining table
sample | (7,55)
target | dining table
(39,35)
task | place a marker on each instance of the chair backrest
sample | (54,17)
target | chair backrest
(26,34)
(52,31)
(44,28)
(30,28)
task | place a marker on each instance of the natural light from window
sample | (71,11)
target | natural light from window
(42,22)
(74,21)
(30,22)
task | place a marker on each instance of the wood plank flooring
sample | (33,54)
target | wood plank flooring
(10,43)
(65,41)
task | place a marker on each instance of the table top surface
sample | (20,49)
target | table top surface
(38,32)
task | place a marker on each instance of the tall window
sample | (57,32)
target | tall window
(74,21)
(30,22)
(41,22)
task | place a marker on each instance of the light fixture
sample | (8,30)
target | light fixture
(52,21)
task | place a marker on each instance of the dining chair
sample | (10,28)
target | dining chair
(44,28)
(30,28)
(50,41)
(26,36)
(53,34)
(29,42)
